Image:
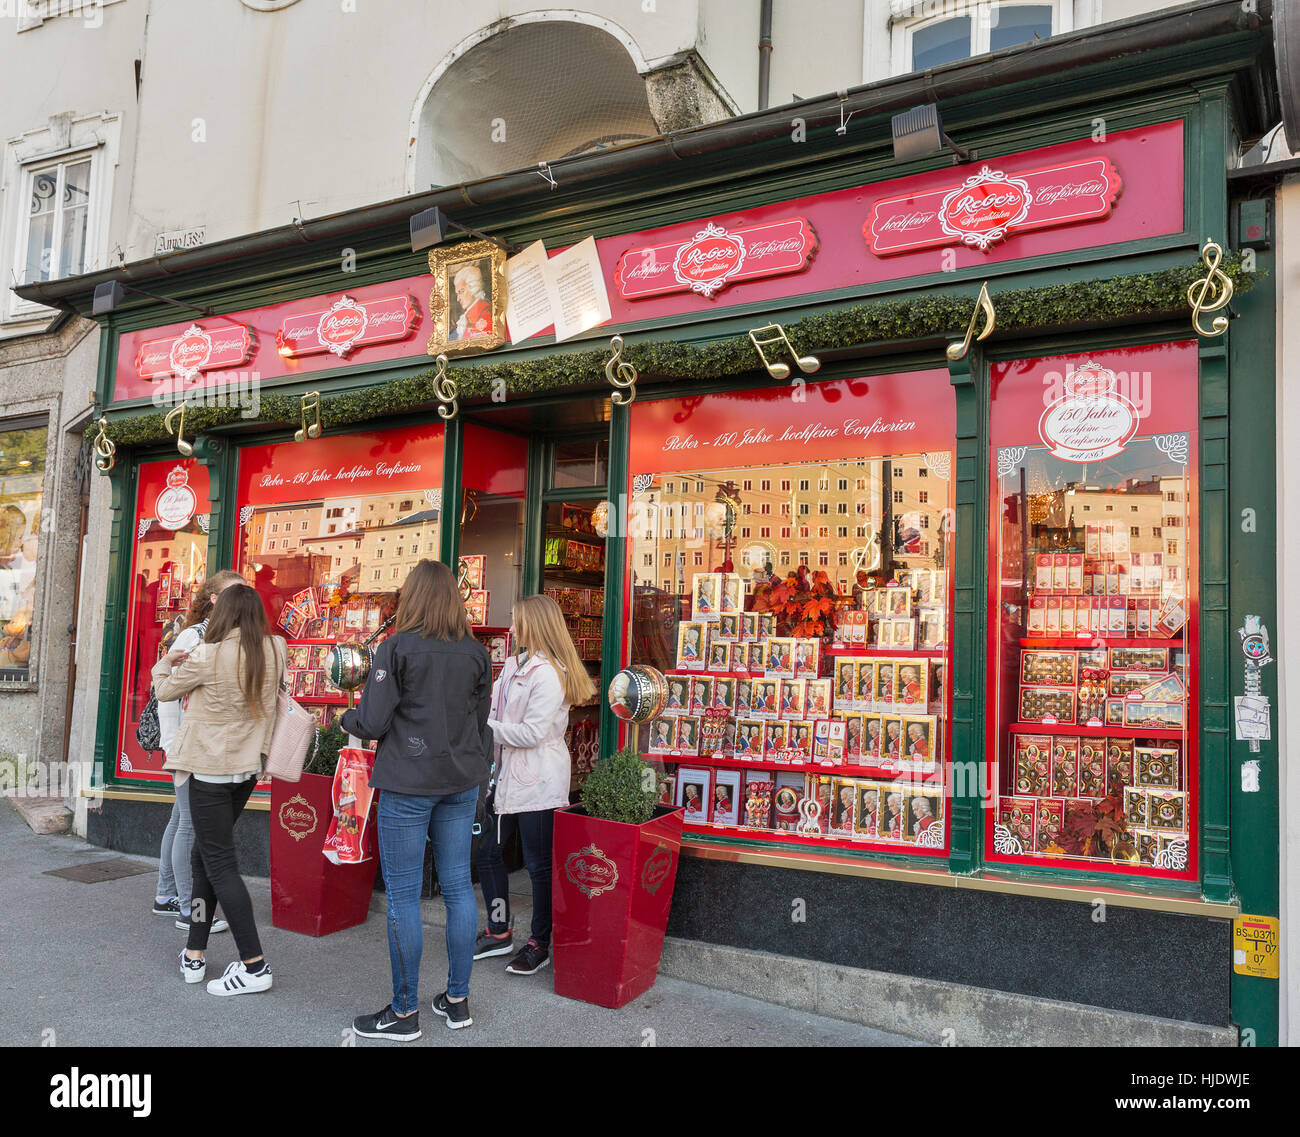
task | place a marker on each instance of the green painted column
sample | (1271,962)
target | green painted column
(122,480)
(967,631)
(1253,813)
(449,515)
(611,652)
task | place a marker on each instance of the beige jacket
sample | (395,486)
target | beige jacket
(219,733)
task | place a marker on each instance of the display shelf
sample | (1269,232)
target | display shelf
(797,767)
(1095,731)
(553,530)
(1095,640)
(936,652)
(579,578)
(788,836)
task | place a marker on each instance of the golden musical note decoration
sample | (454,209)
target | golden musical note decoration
(105,448)
(870,552)
(983,304)
(462,580)
(444,387)
(1217,285)
(310,401)
(184,447)
(468,498)
(807,363)
(621,375)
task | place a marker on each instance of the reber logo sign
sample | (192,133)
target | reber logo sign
(705,263)
(341,326)
(1092,420)
(591,871)
(190,352)
(981,210)
(175,505)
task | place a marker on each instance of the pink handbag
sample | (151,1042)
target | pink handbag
(291,738)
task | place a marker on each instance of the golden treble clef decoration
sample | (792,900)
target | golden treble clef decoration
(105,448)
(620,375)
(1216,285)
(984,304)
(445,388)
(463,580)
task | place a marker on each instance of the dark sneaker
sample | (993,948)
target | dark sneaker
(488,944)
(531,958)
(456,1014)
(170,907)
(388,1024)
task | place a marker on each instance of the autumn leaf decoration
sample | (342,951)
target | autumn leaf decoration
(1097,833)
(804,603)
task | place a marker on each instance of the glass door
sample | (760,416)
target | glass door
(573,571)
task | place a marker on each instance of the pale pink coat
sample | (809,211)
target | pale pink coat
(528,718)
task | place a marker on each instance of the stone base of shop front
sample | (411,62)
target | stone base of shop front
(947,965)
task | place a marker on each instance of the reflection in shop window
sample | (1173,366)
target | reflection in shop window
(22,470)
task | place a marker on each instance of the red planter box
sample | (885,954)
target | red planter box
(309,894)
(613,886)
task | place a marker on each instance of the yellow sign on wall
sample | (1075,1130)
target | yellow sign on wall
(1255,946)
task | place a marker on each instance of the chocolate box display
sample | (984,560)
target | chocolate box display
(1156,767)
(1041,704)
(1048,668)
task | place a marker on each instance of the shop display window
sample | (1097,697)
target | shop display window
(1093,602)
(22,477)
(169,560)
(327,532)
(789,571)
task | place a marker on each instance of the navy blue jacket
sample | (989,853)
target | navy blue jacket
(427,701)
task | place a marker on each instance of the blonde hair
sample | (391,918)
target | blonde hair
(539,627)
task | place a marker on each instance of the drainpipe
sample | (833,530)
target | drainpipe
(764,52)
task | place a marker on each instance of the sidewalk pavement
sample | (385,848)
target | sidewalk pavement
(93,965)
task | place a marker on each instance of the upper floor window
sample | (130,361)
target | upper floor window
(928,34)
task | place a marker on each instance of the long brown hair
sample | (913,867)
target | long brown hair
(240,607)
(201,606)
(431,605)
(539,627)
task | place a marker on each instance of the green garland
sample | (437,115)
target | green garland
(1085,303)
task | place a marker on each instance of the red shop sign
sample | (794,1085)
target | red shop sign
(403,460)
(989,206)
(715,257)
(195,349)
(347,324)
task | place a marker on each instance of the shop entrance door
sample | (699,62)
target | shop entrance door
(528,524)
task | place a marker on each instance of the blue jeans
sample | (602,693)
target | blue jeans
(406,821)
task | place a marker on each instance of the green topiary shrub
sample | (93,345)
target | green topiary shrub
(620,788)
(325,757)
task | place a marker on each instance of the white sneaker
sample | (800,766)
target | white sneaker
(193,969)
(236,980)
(218,925)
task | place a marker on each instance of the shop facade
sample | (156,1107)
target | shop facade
(948,619)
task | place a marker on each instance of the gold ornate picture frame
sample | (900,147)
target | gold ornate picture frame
(468,301)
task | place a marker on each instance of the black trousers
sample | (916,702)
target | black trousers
(214,809)
(536,832)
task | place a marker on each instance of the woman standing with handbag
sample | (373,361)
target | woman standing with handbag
(530,713)
(175,882)
(232,678)
(426,701)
